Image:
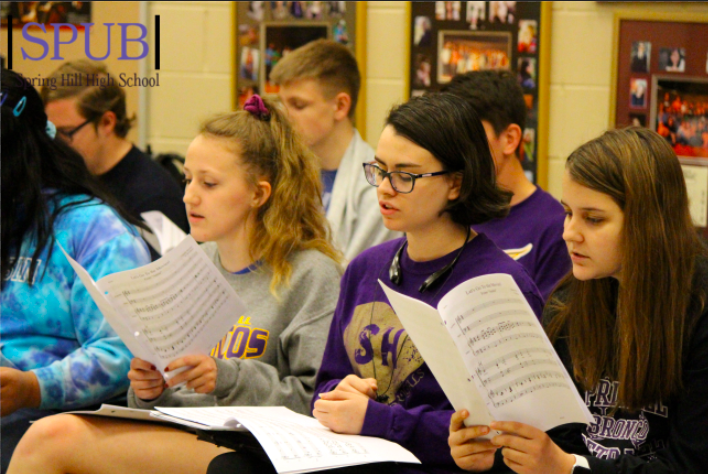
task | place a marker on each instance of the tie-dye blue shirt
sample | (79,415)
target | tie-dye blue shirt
(53,327)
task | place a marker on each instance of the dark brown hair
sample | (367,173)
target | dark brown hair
(451,131)
(92,100)
(633,331)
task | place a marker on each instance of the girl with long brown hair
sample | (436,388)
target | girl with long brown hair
(630,322)
(253,196)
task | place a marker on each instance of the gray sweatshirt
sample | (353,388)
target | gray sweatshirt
(272,353)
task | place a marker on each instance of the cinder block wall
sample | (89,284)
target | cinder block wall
(196,79)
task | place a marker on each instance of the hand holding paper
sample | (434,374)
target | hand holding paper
(490,354)
(145,380)
(176,306)
(197,372)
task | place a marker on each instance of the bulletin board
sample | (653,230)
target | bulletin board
(265,31)
(448,38)
(660,81)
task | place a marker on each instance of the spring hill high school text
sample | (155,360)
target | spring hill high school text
(94,80)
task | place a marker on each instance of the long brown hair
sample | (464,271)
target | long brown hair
(293,217)
(633,331)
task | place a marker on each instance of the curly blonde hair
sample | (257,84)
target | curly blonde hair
(293,217)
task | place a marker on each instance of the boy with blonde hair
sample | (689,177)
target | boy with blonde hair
(319,85)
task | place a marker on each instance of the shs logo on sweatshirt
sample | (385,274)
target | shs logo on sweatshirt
(243,341)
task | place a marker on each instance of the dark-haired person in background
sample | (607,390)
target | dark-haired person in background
(532,232)
(435,178)
(92,118)
(57,351)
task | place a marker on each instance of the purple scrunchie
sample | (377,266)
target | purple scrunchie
(255,106)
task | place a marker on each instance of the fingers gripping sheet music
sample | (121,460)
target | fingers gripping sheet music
(175,306)
(506,354)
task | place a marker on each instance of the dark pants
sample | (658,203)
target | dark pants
(13,427)
(250,463)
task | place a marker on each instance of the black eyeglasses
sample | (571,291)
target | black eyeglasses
(401,181)
(69,134)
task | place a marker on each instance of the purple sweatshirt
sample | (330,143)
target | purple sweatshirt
(532,234)
(367,339)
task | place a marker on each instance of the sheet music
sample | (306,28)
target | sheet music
(297,443)
(177,305)
(508,354)
(168,234)
(432,339)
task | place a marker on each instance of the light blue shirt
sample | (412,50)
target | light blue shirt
(53,327)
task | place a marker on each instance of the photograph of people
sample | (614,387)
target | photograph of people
(255,10)
(672,59)
(528,41)
(279,10)
(422,31)
(475,14)
(249,63)
(502,12)
(313,10)
(638,93)
(422,71)
(641,52)
(527,73)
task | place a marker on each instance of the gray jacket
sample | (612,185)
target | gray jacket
(272,354)
(354,209)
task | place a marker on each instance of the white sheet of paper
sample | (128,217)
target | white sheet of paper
(297,443)
(116,322)
(430,336)
(168,234)
(175,306)
(508,355)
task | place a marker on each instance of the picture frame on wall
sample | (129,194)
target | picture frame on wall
(513,36)
(22,13)
(266,31)
(673,66)
(278,39)
(462,51)
(652,47)
(679,113)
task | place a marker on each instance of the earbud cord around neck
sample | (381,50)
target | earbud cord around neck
(379,394)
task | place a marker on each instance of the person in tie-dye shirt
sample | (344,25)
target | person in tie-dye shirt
(57,351)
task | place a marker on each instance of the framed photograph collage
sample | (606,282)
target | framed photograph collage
(661,82)
(449,38)
(267,31)
(74,13)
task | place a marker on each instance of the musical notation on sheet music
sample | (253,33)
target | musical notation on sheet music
(170,303)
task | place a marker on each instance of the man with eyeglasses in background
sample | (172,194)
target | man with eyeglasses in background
(92,118)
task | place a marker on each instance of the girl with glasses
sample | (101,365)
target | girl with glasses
(436,178)
(630,322)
